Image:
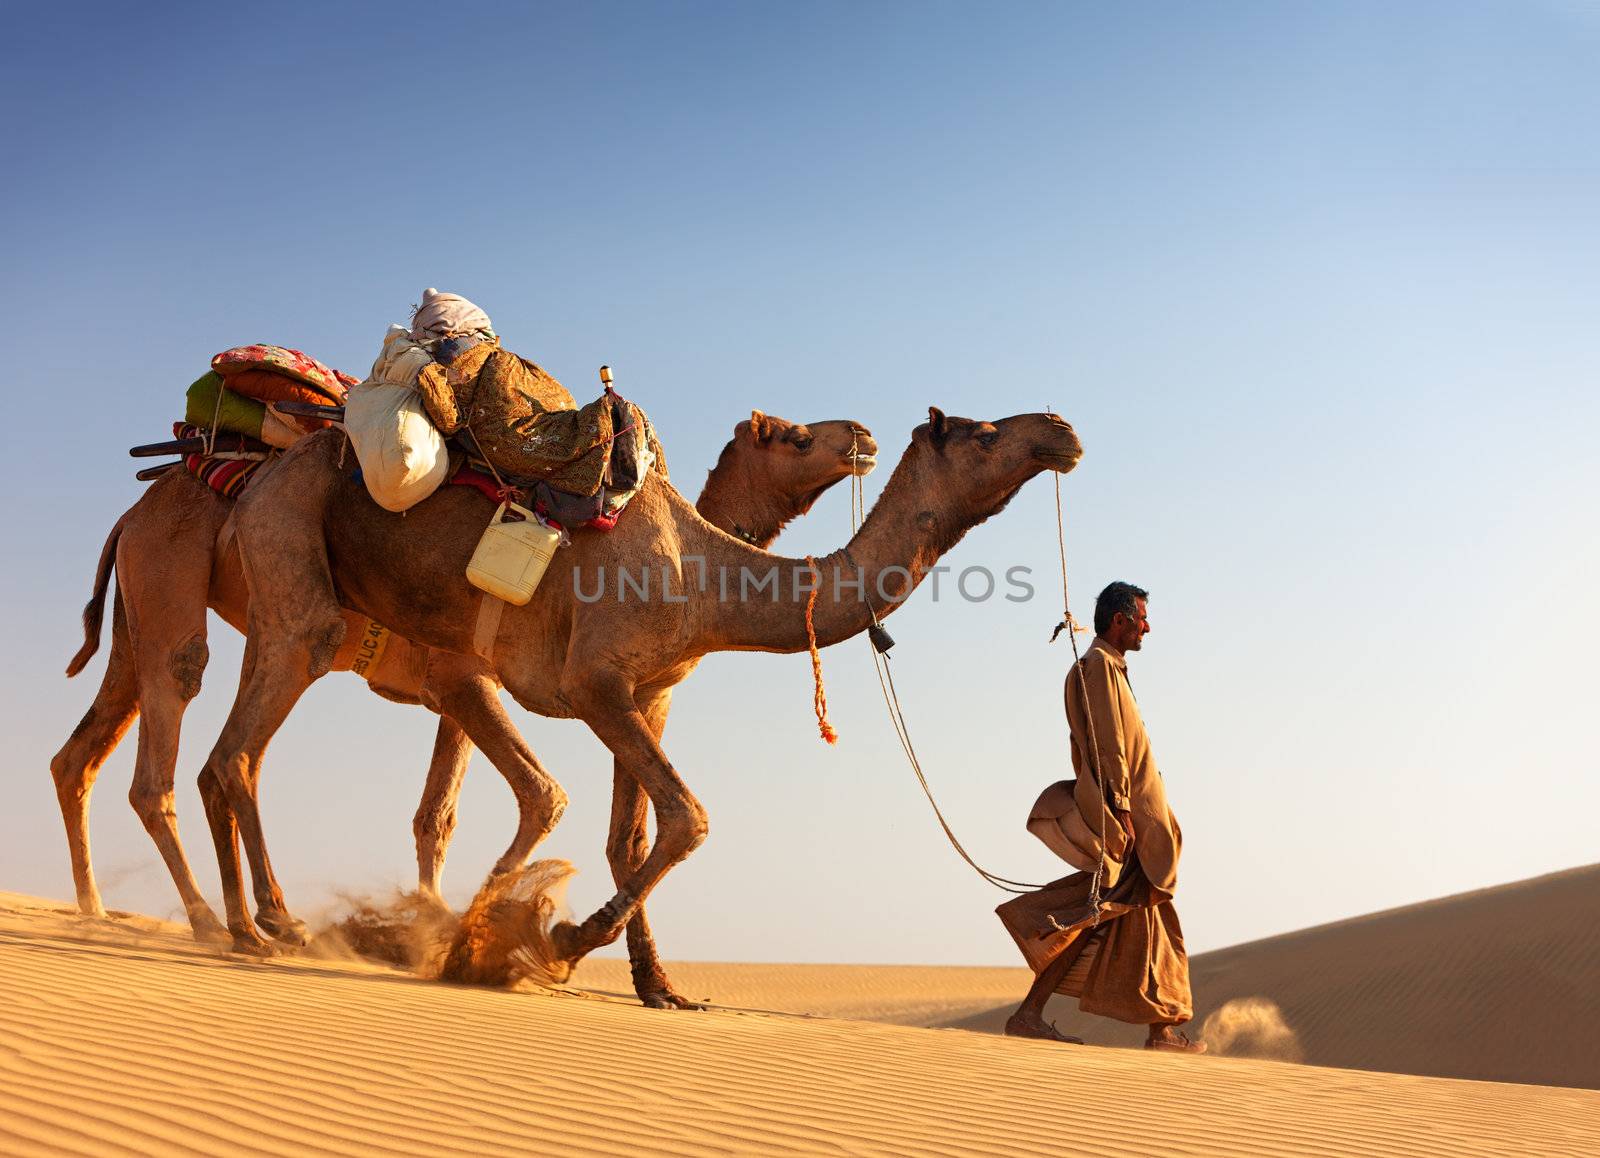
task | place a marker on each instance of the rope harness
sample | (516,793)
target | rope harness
(880,661)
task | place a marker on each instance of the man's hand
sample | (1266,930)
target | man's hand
(1126,820)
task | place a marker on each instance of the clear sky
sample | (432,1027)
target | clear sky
(1316,284)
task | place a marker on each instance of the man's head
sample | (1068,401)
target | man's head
(1119,616)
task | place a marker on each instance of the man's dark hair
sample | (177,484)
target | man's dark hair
(1118,596)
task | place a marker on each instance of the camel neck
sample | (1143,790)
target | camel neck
(761,599)
(743,510)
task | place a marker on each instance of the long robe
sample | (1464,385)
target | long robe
(1133,965)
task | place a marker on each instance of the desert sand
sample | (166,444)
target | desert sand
(123,1036)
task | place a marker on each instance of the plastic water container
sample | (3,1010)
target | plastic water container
(511,557)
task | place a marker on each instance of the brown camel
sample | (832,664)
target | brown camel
(588,645)
(169,570)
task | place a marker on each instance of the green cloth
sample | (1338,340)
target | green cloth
(239,414)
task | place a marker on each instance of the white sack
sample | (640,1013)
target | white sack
(402,455)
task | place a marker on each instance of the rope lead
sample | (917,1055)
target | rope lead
(819,699)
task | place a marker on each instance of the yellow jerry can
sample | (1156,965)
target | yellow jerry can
(511,557)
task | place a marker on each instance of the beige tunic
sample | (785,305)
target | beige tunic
(1134,967)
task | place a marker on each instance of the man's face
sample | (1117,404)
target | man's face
(1131,629)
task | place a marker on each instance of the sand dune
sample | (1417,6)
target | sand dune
(1497,984)
(125,1037)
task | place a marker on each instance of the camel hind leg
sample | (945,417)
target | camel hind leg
(435,820)
(77,765)
(166,688)
(461,689)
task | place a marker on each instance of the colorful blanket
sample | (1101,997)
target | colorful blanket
(227,473)
(318,383)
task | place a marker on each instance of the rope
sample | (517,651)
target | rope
(216,416)
(891,699)
(819,699)
(1072,629)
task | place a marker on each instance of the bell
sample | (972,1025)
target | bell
(882,641)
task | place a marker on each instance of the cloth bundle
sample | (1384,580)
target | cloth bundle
(246,383)
(402,455)
(526,424)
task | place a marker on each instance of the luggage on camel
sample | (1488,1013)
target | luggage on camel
(580,465)
(208,403)
(511,557)
(232,421)
(402,455)
(527,436)
(279,374)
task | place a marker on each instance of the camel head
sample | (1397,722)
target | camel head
(976,467)
(796,462)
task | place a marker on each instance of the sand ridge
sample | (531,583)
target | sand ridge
(121,1038)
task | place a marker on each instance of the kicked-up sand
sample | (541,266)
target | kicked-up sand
(124,1037)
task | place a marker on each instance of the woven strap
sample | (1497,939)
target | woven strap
(490,609)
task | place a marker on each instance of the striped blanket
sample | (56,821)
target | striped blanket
(227,474)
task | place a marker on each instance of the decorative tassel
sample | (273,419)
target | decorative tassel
(819,701)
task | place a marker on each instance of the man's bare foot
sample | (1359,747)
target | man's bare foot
(1021,1024)
(1167,1038)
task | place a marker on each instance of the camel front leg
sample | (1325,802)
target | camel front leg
(606,704)
(225,839)
(276,673)
(473,702)
(626,848)
(75,767)
(435,820)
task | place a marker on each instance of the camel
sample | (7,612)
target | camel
(605,655)
(165,551)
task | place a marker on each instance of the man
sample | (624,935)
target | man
(1107,935)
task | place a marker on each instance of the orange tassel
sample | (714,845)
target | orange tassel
(819,701)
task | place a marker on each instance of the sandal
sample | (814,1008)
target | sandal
(1175,1042)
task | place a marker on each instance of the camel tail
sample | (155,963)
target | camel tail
(94,612)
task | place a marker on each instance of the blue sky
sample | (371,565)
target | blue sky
(1316,285)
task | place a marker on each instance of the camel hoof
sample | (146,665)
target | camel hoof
(249,943)
(667,999)
(284,929)
(207,929)
(564,943)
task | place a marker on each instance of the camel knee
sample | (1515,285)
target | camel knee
(154,806)
(627,848)
(223,783)
(554,800)
(187,664)
(434,824)
(73,777)
(683,829)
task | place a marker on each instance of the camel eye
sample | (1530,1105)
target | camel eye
(988,438)
(802,440)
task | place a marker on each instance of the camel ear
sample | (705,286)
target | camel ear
(760,427)
(937,430)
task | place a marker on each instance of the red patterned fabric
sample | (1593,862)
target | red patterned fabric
(329,383)
(485,484)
